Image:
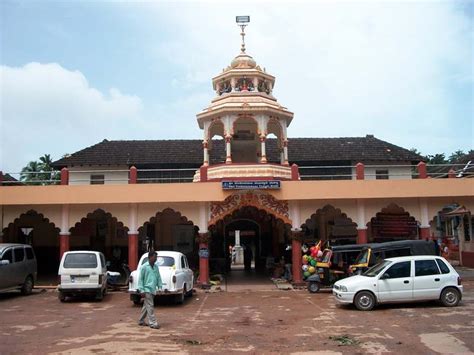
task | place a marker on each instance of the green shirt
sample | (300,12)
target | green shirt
(150,278)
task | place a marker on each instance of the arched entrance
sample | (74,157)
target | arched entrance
(34,229)
(392,223)
(453,226)
(256,234)
(169,230)
(330,225)
(100,231)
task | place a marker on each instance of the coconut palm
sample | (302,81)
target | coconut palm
(39,172)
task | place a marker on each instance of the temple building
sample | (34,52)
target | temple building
(244,182)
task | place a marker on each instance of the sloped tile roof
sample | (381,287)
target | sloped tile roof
(188,153)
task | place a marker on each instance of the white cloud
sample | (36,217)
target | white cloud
(47,109)
(398,70)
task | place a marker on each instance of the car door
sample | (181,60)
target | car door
(427,280)
(396,283)
(189,273)
(19,265)
(6,275)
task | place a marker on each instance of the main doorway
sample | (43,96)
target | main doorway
(247,244)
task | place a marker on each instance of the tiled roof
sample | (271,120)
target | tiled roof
(188,153)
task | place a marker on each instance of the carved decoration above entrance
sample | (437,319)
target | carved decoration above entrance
(256,199)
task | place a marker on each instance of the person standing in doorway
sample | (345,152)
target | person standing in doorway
(150,280)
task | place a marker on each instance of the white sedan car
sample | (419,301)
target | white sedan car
(402,279)
(177,277)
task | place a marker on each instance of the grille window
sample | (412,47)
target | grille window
(381,174)
(97,179)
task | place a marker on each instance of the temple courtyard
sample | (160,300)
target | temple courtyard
(238,318)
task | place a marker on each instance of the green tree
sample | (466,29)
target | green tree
(40,172)
(458,154)
(437,159)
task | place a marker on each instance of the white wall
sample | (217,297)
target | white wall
(82,175)
(394,172)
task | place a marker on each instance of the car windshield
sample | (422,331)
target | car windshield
(362,258)
(375,270)
(80,261)
(161,261)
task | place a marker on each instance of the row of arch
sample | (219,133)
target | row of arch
(169,229)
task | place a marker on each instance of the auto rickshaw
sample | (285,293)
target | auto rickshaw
(333,265)
(373,253)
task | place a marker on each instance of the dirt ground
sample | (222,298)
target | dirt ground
(267,321)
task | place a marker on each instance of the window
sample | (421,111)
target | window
(443,267)
(381,174)
(8,255)
(29,253)
(165,261)
(102,260)
(426,267)
(183,264)
(19,254)
(97,179)
(467,229)
(80,261)
(398,270)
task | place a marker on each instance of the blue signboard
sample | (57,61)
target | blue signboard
(204,253)
(251,185)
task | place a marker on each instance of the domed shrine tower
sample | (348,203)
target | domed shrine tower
(244,112)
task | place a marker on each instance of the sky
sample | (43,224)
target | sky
(74,73)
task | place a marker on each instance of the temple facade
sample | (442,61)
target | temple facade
(245,182)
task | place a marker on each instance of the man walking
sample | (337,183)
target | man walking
(150,279)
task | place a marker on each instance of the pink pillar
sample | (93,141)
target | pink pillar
(64,177)
(203,173)
(133,251)
(203,259)
(296,255)
(295,174)
(63,244)
(132,179)
(451,174)
(422,174)
(424,233)
(360,171)
(362,236)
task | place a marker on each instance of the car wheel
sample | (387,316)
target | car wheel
(364,301)
(27,287)
(450,297)
(61,296)
(136,299)
(100,295)
(189,293)
(180,298)
(313,287)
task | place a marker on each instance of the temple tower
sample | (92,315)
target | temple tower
(244,112)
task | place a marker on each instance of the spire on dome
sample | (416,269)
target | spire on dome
(242,22)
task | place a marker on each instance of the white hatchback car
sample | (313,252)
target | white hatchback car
(402,279)
(177,277)
(82,272)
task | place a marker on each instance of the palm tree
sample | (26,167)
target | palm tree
(458,154)
(30,173)
(45,166)
(39,172)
